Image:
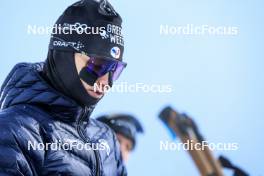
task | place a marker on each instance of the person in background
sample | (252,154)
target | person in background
(126,128)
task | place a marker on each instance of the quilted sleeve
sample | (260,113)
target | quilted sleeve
(15,158)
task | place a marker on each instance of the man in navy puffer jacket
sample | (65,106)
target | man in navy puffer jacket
(45,121)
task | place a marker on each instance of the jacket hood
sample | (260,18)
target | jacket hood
(25,85)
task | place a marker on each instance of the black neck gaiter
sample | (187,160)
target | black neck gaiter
(61,72)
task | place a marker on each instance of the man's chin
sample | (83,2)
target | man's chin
(96,95)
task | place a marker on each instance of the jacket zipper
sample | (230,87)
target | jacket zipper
(87,112)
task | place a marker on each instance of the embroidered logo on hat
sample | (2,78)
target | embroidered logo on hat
(115,52)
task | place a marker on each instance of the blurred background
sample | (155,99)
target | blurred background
(216,79)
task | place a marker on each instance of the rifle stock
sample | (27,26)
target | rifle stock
(184,127)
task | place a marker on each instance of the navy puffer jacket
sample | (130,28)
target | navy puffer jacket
(45,133)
